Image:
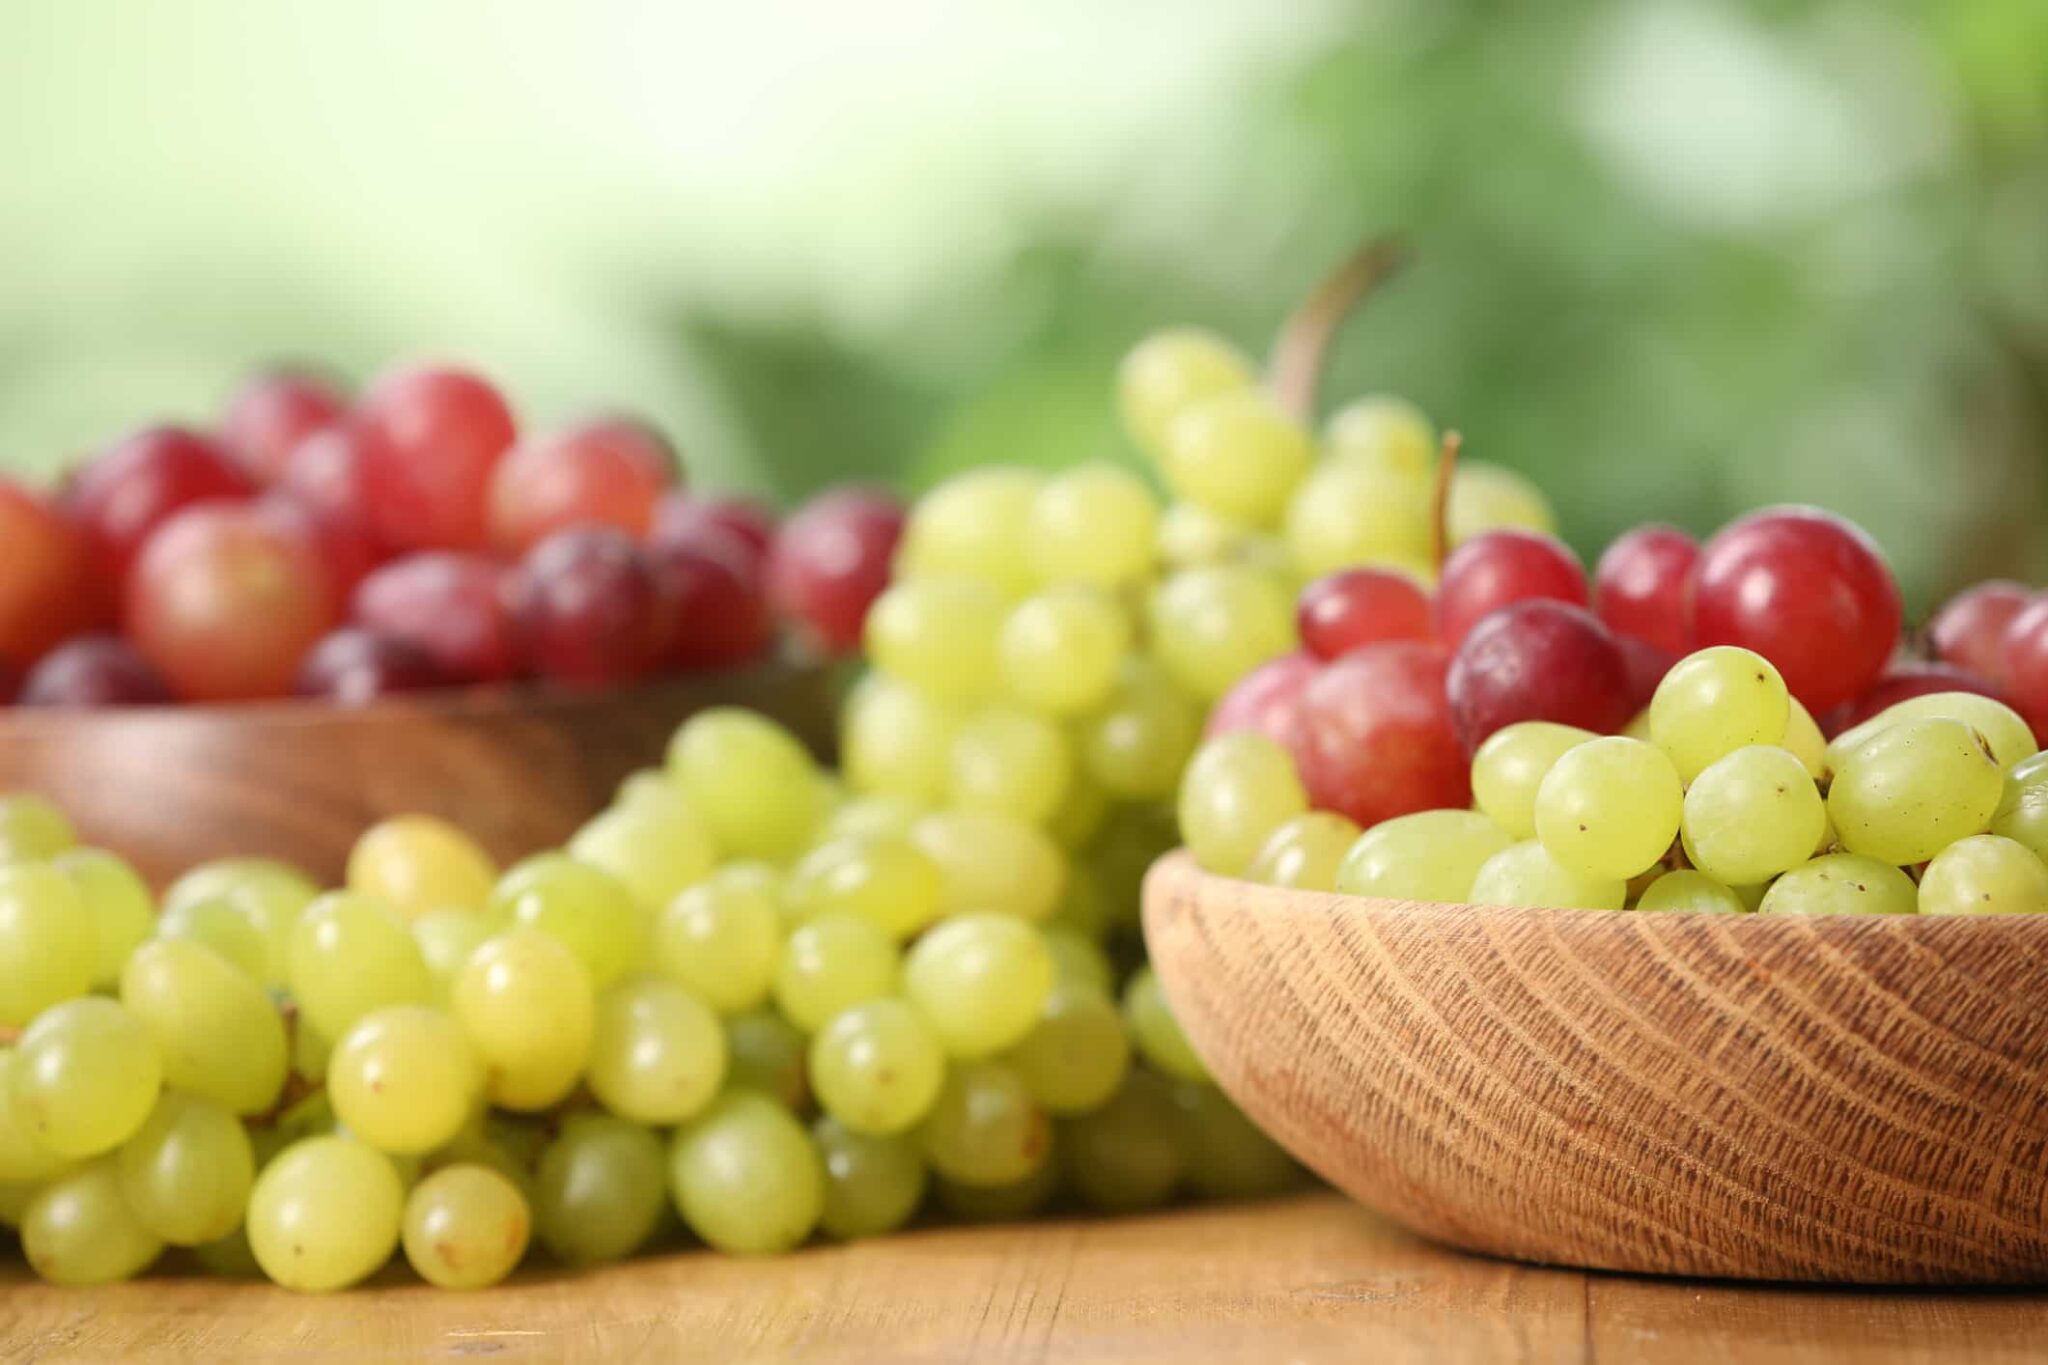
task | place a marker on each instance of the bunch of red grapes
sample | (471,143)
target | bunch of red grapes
(411,538)
(1395,687)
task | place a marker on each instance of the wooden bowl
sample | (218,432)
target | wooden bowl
(1842,1098)
(518,767)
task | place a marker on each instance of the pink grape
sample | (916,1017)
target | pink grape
(1642,587)
(679,513)
(1352,607)
(272,413)
(605,471)
(1267,699)
(1376,739)
(432,439)
(1969,631)
(831,560)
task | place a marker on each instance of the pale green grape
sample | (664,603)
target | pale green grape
(218,1033)
(1609,808)
(873,1184)
(1381,431)
(33,828)
(655,847)
(1081,815)
(600,1189)
(325,1213)
(940,636)
(2022,812)
(508,1146)
(46,940)
(1002,1203)
(1804,739)
(1841,884)
(1214,623)
(1077,959)
(767,1054)
(1169,372)
(1137,743)
(78,1230)
(416,863)
(990,861)
(1012,761)
(446,938)
(877,1067)
(896,741)
(312,1116)
(270,895)
(1077,1054)
(658,1055)
(833,962)
(1060,649)
(1984,875)
(186,1174)
(1189,535)
(1227,1156)
(1127,1155)
(1432,855)
(986,1129)
(1305,852)
(404,1079)
(1346,513)
(747,1177)
(1510,766)
(868,817)
(24,1160)
(1753,814)
(526,1003)
(973,526)
(980,980)
(721,940)
(222,927)
(229,1257)
(1714,702)
(1084,906)
(585,907)
(14,1199)
(2009,737)
(1133,839)
(751,781)
(1239,789)
(1686,889)
(1238,454)
(117,903)
(86,1075)
(647,784)
(1486,497)
(350,955)
(1094,523)
(1526,874)
(1913,789)
(1154,1030)
(465,1227)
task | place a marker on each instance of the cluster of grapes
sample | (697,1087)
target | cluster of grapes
(409,539)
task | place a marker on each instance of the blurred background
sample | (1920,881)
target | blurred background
(1675,257)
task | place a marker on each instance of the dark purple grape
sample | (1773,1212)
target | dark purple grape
(355,665)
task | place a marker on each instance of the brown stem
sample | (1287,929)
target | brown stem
(1440,514)
(1296,369)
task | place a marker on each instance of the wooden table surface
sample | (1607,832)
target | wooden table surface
(1308,1279)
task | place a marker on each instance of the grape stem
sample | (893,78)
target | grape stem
(1295,372)
(1440,513)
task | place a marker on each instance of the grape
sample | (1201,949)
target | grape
(980,980)
(465,1227)
(603,471)
(658,1053)
(85,1077)
(1002,1203)
(342,546)
(1060,650)
(416,863)
(351,954)
(1169,372)
(1188,535)
(877,1066)
(1715,702)
(187,1171)
(1487,497)
(527,1006)
(1377,738)
(271,413)
(435,438)
(47,588)
(1215,623)
(94,670)
(2022,813)
(1643,586)
(1842,884)
(46,937)
(1155,1032)
(1093,524)
(446,938)
(1077,1054)
(2024,655)
(746,1176)
(33,828)
(1077,959)
(768,1055)
(1537,660)
(1752,815)
(939,635)
(830,561)
(1382,431)
(1344,514)
(986,1129)
(404,1079)
(591,610)
(1304,852)
(354,666)
(1969,631)
(1432,855)
(218,1033)
(326,476)
(1227,1156)
(751,782)
(1914,788)
(1493,570)
(1341,611)
(883,878)
(1645,666)
(682,516)
(972,526)
(325,1213)
(451,607)
(721,940)
(873,1185)
(988,861)
(655,849)
(226,930)
(1236,453)
(1686,889)
(1526,874)
(117,906)
(896,741)
(1268,700)
(1984,875)
(270,895)
(1128,1154)
(600,1190)
(583,906)
(78,1230)
(1509,768)
(24,1160)
(127,492)
(1239,789)
(712,579)
(1805,741)
(1609,808)
(1136,745)
(2001,727)
(832,962)
(228,1258)
(1012,761)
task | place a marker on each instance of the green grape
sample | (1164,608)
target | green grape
(883,878)
(350,955)
(973,526)
(658,1054)
(270,895)
(980,980)
(600,1189)
(404,1079)
(507,1145)
(1804,739)
(1717,701)
(229,1257)
(86,1075)
(1609,808)
(1136,745)
(746,1176)
(1486,497)
(186,1174)
(465,1227)
(1526,874)
(1189,535)
(1009,1203)
(585,907)
(1127,1155)
(1841,884)
(1059,650)
(1169,372)
(33,828)
(1077,1054)
(750,780)
(721,940)
(1011,761)
(989,861)
(226,930)
(2007,735)
(940,636)
(1984,875)
(1238,453)
(117,903)
(985,1128)
(526,1003)
(833,962)
(1305,852)
(310,1050)
(1124,852)
(1346,513)
(1214,623)
(446,938)
(326,1212)
(1686,889)
(768,1054)
(1381,431)
(1226,1155)
(654,785)
(1095,523)
(219,1034)
(15,1196)
(24,1160)
(873,1184)
(312,1116)
(877,1067)
(1081,815)
(1154,1030)
(1753,814)
(1239,789)
(1084,906)
(46,940)
(416,863)
(1077,959)
(896,741)
(656,848)
(1913,789)
(1510,766)
(1432,855)
(871,817)
(2022,813)
(78,1230)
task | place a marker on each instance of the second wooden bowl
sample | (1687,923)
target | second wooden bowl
(1839,1098)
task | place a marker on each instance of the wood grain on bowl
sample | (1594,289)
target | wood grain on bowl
(1838,1098)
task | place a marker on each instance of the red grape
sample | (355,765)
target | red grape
(328,472)
(607,471)
(1643,587)
(1538,660)
(132,488)
(1808,591)
(433,438)
(94,670)
(10,683)
(355,665)
(272,413)
(1489,571)
(1267,699)
(1352,607)
(450,606)
(45,592)
(346,549)
(224,603)
(591,609)
(1969,631)
(1901,681)
(1646,666)
(1376,738)
(713,577)
(2026,663)
(678,513)
(831,561)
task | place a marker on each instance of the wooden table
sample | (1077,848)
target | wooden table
(1308,1279)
